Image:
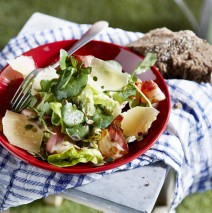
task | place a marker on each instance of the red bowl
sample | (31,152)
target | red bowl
(47,54)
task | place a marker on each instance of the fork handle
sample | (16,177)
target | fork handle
(92,32)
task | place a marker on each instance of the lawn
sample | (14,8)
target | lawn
(134,15)
(192,204)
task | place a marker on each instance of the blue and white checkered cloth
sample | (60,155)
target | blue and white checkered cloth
(186,145)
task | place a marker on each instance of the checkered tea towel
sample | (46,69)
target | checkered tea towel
(186,144)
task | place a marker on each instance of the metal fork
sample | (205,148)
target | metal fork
(23,93)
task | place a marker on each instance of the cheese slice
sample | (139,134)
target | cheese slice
(107,75)
(22,64)
(21,132)
(138,120)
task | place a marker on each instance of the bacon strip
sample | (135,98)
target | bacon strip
(151,90)
(112,143)
(54,141)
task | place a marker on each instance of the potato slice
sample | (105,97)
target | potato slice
(138,120)
(21,132)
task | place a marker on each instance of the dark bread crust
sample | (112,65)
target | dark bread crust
(181,55)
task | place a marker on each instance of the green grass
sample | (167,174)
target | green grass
(40,207)
(134,15)
(195,203)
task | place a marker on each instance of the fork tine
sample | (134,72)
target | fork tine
(23,99)
(21,88)
(23,91)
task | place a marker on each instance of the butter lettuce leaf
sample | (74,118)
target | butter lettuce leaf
(74,156)
(71,115)
(56,114)
(78,132)
(112,107)
(102,120)
(86,101)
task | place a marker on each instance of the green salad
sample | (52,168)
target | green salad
(86,110)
